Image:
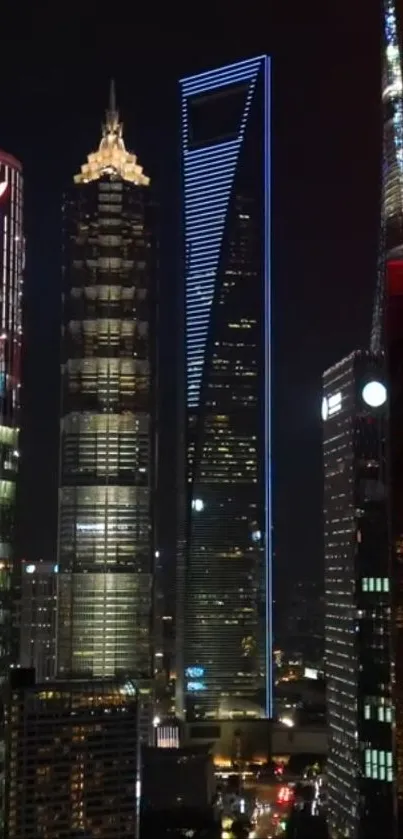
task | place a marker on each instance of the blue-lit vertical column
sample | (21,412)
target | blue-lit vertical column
(268,388)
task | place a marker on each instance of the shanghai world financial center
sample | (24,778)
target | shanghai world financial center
(225,546)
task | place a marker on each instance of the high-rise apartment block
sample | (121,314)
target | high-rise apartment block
(358,599)
(106,504)
(224,566)
(72,758)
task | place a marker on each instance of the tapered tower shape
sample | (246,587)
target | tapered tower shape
(387,337)
(107,442)
(224,617)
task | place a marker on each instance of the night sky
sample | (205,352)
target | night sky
(54,76)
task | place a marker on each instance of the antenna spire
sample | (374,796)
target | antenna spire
(112,114)
(112,96)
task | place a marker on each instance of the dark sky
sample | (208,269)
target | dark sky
(54,72)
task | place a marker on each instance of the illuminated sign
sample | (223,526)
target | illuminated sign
(331,405)
(195,672)
(194,687)
(311,673)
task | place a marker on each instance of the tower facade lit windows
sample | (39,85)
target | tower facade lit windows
(387,335)
(106,503)
(224,556)
(12,262)
(358,600)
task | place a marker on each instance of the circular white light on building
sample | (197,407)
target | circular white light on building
(197,505)
(30,569)
(325,409)
(374,394)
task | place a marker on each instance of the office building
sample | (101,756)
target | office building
(224,564)
(107,473)
(387,334)
(38,618)
(72,758)
(12,266)
(357,599)
(12,258)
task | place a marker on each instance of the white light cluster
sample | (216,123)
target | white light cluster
(374,394)
(331,405)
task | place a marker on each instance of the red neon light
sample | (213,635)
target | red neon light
(285,795)
(394,274)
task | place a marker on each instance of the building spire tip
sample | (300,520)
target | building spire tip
(112,114)
(112,96)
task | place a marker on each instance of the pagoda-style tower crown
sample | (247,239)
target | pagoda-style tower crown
(112,158)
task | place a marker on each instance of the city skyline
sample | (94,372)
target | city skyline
(181,354)
(303,273)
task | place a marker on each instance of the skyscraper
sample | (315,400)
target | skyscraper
(12,258)
(107,473)
(358,599)
(224,566)
(387,334)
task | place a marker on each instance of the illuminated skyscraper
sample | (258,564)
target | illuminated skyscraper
(387,334)
(11,265)
(107,476)
(357,595)
(12,256)
(224,567)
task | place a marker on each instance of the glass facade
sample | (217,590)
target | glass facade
(358,601)
(12,259)
(224,564)
(387,334)
(106,533)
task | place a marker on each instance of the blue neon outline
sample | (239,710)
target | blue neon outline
(238,64)
(268,406)
(221,159)
(196,164)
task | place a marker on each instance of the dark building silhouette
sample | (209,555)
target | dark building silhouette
(38,618)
